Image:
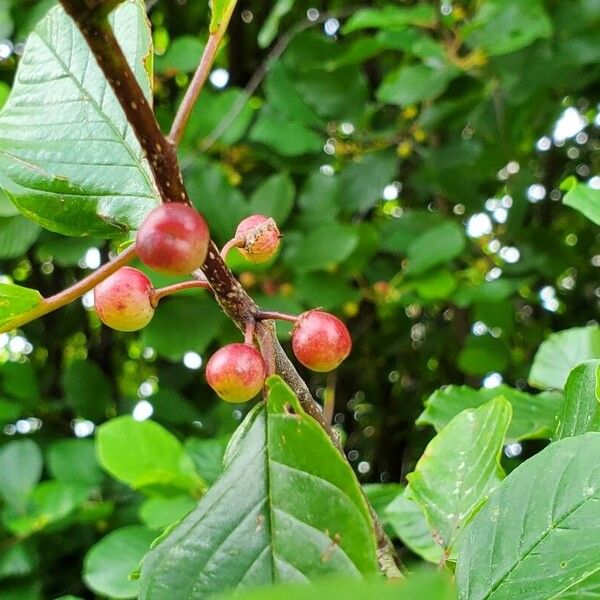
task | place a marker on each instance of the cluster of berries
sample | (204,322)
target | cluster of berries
(173,240)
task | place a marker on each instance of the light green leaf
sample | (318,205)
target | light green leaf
(504,26)
(460,468)
(17,234)
(159,512)
(583,198)
(221,12)
(408,521)
(109,563)
(16,300)
(270,27)
(287,508)
(145,456)
(391,17)
(70,160)
(581,408)
(274,198)
(436,246)
(414,83)
(533,415)
(560,353)
(20,470)
(424,585)
(74,461)
(537,535)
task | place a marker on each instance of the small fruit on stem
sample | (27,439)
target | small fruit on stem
(320,341)
(237,372)
(259,238)
(173,239)
(123,301)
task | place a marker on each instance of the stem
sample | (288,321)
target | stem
(198,81)
(329,398)
(273,315)
(72,293)
(249,333)
(178,287)
(233,243)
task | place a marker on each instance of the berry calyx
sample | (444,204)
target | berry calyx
(236,372)
(123,301)
(173,239)
(320,341)
(259,238)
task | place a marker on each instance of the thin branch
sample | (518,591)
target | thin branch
(77,290)
(232,243)
(264,315)
(178,287)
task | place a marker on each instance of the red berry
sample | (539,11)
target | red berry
(123,301)
(260,236)
(320,341)
(237,372)
(173,239)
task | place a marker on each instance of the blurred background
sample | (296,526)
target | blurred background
(415,156)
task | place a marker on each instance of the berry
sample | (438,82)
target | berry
(237,372)
(173,239)
(123,301)
(260,237)
(320,341)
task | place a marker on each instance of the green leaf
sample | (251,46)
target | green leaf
(19,379)
(270,27)
(208,456)
(503,26)
(74,461)
(391,17)
(70,160)
(182,55)
(177,328)
(159,512)
(322,248)
(21,589)
(533,415)
(585,199)
(418,586)
(535,537)
(414,83)
(87,390)
(145,456)
(20,470)
(560,353)
(109,563)
(16,300)
(408,521)
(321,289)
(274,198)
(581,408)
(221,11)
(287,506)
(460,468)
(436,246)
(17,235)
(482,354)
(18,559)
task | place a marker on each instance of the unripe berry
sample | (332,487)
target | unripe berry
(320,341)
(123,301)
(260,236)
(173,239)
(237,372)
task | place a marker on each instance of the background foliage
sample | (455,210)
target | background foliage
(427,164)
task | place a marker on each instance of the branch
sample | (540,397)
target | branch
(229,293)
(88,283)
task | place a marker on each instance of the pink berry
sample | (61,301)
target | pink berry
(237,372)
(123,301)
(173,239)
(320,341)
(260,236)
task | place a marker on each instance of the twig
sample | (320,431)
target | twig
(329,398)
(273,315)
(178,287)
(232,243)
(77,290)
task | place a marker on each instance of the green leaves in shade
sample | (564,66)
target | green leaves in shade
(436,246)
(536,537)
(20,470)
(74,461)
(560,353)
(419,586)
(87,390)
(583,198)
(17,234)
(70,160)
(287,508)
(16,300)
(274,198)
(460,468)
(581,409)
(145,456)
(109,563)
(391,17)
(533,415)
